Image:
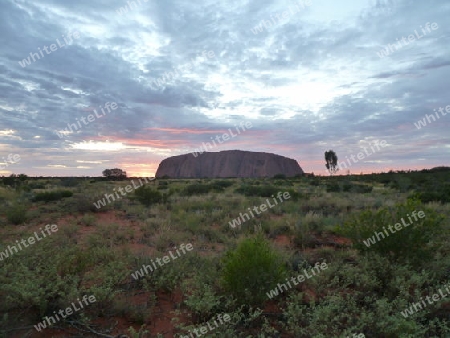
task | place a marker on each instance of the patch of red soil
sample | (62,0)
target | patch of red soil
(272,306)
(310,295)
(109,216)
(161,320)
(340,240)
(283,241)
(65,220)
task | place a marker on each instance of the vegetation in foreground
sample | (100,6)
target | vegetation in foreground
(363,291)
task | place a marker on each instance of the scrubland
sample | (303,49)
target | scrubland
(231,270)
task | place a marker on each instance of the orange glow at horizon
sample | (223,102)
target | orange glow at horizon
(187,130)
(132,173)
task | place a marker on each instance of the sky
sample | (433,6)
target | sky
(93,84)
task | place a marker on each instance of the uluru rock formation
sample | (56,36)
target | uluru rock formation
(228,163)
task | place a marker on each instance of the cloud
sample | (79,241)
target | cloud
(308,84)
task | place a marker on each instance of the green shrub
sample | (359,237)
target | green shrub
(280,176)
(16,214)
(196,189)
(259,191)
(333,187)
(83,203)
(402,184)
(314,182)
(69,182)
(38,267)
(251,270)
(265,191)
(439,193)
(414,244)
(163,185)
(362,188)
(148,196)
(220,185)
(36,185)
(88,220)
(138,334)
(305,228)
(365,296)
(201,298)
(50,196)
(347,186)
(357,188)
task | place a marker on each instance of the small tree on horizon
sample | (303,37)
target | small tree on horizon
(115,174)
(331,160)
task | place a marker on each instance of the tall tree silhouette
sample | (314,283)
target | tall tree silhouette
(331,161)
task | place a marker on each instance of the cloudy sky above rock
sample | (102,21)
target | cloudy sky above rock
(308,75)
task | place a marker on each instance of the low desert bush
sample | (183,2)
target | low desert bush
(220,185)
(260,191)
(50,196)
(196,189)
(88,219)
(251,270)
(333,187)
(414,244)
(434,194)
(69,182)
(36,185)
(201,188)
(163,185)
(201,298)
(148,196)
(280,176)
(365,296)
(265,191)
(305,229)
(83,203)
(348,186)
(16,214)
